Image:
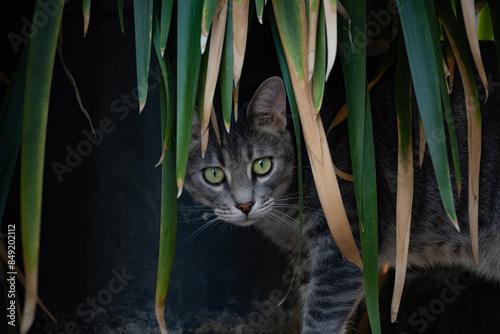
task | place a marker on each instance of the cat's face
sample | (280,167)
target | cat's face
(243,178)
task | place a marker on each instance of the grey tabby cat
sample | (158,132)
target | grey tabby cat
(250,179)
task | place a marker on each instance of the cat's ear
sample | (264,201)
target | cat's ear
(267,109)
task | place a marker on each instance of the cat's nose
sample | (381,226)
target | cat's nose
(245,208)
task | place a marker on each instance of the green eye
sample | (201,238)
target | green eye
(214,175)
(262,166)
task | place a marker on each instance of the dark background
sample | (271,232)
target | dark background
(103,217)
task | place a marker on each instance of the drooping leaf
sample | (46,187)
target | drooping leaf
(292,25)
(485,28)
(313,30)
(330,7)
(296,124)
(404,199)
(86,16)
(189,14)
(469,13)
(226,70)
(320,62)
(259,9)
(214,61)
(200,94)
(206,21)
(166,16)
(168,218)
(166,84)
(143,19)
(431,13)
(423,65)
(40,64)
(473,116)
(120,14)
(240,31)
(167,234)
(495,24)
(353,58)
(11,113)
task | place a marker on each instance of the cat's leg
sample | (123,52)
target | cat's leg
(335,288)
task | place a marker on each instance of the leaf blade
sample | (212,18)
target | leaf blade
(213,66)
(405,181)
(209,7)
(469,13)
(40,64)
(353,58)
(188,63)
(292,26)
(473,118)
(226,70)
(86,16)
(143,20)
(11,112)
(423,66)
(240,31)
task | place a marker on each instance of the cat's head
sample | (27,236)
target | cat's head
(252,168)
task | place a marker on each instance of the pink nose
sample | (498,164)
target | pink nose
(245,208)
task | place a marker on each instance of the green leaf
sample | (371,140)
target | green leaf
(444,94)
(168,221)
(226,69)
(259,9)
(424,67)
(166,17)
(143,18)
(320,61)
(296,125)
(292,26)
(495,23)
(166,84)
(353,59)
(11,113)
(188,64)
(485,29)
(206,21)
(86,16)
(473,115)
(41,54)
(120,13)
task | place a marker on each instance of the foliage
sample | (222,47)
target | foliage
(204,42)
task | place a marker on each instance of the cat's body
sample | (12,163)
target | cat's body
(254,174)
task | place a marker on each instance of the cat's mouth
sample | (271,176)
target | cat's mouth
(238,218)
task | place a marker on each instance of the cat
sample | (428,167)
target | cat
(250,178)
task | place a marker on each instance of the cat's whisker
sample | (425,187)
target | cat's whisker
(205,226)
(283,218)
(283,214)
(198,220)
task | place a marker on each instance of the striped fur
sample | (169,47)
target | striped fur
(331,286)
